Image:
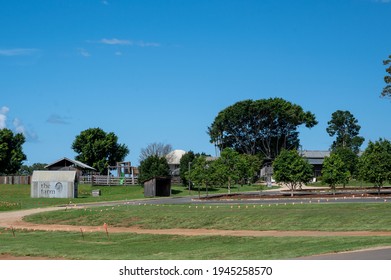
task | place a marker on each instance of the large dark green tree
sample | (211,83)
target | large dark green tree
(99,149)
(11,151)
(153,166)
(387,79)
(262,126)
(345,127)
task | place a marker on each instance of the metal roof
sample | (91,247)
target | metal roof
(69,162)
(315,154)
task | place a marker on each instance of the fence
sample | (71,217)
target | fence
(102,180)
(15,180)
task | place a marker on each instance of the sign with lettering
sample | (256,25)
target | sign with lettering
(54,184)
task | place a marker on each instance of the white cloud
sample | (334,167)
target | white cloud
(3,116)
(140,43)
(83,52)
(17,52)
(115,41)
(19,127)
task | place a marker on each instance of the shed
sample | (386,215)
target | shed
(54,184)
(157,186)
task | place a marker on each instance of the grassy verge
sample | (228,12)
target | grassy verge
(14,197)
(323,217)
(96,246)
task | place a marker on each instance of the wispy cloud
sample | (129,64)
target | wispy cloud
(105,2)
(83,52)
(57,119)
(139,43)
(115,41)
(18,125)
(3,116)
(17,52)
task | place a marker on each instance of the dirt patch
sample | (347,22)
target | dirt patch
(13,258)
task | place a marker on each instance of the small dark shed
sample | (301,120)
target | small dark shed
(157,186)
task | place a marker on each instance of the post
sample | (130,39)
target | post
(189,179)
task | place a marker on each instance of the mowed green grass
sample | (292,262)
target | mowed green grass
(320,217)
(15,197)
(97,246)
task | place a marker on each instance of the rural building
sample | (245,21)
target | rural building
(316,159)
(173,160)
(54,184)
(157,186)
(66,164)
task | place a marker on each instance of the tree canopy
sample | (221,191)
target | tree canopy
(99,149)
(386,92)
(292,169)
(345,127)
(375,163)
(262,126)
(11,151)
(335,171)
(153,166)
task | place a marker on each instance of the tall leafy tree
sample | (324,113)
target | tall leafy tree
(349,158)
(335,171)
(153,166)
(375,163)
(228,167)
(202,172)
(184,164)
(386,92)
(11,151)
(99,149)
(345,127)
(292,169)
(262,126)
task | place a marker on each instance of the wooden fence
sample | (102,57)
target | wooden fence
(102,180)
(15,180)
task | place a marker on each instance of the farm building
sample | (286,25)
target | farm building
(316,159)
(54,184)
(173,160)
(64,164)
(157,186)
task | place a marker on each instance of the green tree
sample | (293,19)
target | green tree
(375,163)
(227,166)
(262,126)
(153,166)
(99,149)
(202,172)
(28,170)
(248,167)
(345,127)
(335,171)
(386,92)
(11,151)
(349,158)
(186,160)
(292,169)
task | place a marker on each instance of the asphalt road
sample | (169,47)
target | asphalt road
(367,254)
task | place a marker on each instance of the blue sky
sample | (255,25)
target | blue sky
(160,71)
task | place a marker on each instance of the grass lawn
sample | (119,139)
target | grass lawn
(322,217)
(96,246)
(14,197)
